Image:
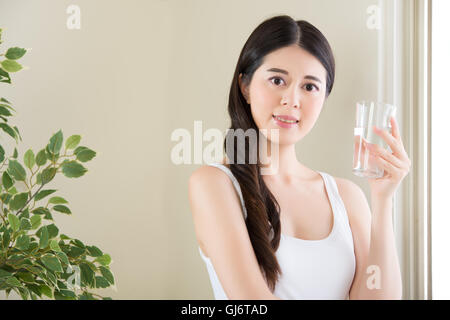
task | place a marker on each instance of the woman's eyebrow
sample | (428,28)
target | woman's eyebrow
(310,77)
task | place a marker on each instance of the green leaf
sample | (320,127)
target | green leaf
(24,214)
(61,208)
(57,200)
(35,221)
(75,252)
(6,197)
(63,257)
(65,237)
(62,285)
(4,100)
(51,277)
(35,289)
(15,154)
(73,169)
(87,275)
(16,170)
(13,282)
(18,201)
(4,274)
(56,142)
(6,238)
(4,111)
(86,155)
(52,230)
(43,238)
(73,141)
(46,290)
(26,277)
(25,224)
(40,211)
(41,158)
(15,53)
(49,155)
(6,180)
(52,263)
(101,282)
(23,242)
(78,243)
(24,294)
(104,259)
(13,222)
(17,131)
(33,245)
(107,274)
(12,191)
(16,259)
(48,216)
(86,296)
(64,294)
(28,159)
(4,76)
(2,154)
(47,175)
(11,65)
(43,193)
(79,149)
(94,251)
(10,131)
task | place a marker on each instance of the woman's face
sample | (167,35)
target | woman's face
(290,82)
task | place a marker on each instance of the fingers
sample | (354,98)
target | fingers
(394,142)
(376,151)
(395,129)
(389,167)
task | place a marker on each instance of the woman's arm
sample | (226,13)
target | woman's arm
(220,227)
(377,273)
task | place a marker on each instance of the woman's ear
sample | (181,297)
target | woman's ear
(244,89)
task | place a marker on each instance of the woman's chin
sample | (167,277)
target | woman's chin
(284,140)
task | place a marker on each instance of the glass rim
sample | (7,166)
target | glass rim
(368,102)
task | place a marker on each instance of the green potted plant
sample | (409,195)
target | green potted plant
(37,261)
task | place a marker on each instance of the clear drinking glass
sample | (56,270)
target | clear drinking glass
(369,114)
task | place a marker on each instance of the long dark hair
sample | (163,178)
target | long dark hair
(263,211)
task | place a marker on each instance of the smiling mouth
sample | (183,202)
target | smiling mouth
(285,121)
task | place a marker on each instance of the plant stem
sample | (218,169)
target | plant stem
(3,217)
(42,185)
(3,163)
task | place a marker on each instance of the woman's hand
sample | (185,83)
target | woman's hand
(396,165)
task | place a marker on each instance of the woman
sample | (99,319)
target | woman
(297,233)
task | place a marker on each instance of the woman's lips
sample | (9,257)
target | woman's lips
(285,124)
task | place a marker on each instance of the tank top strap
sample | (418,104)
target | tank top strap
(337,204)
(235,184)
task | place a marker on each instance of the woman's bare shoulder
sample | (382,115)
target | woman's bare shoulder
(207,173)
(346,187)
(353,197)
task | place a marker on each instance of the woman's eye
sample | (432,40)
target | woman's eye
(312,85)
(275,78)
(309,86)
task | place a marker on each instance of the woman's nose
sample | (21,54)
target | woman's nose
(291,99)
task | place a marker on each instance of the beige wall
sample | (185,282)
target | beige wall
(133,73)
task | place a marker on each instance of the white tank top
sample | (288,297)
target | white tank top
(311,269)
